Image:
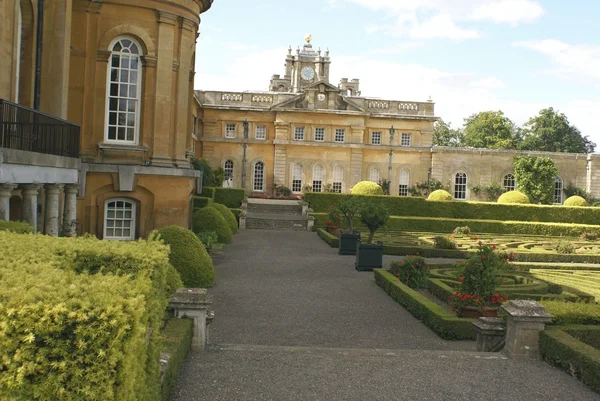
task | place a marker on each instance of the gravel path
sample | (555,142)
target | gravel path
(295,321)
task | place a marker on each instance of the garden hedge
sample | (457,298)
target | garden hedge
(177,342)
(564,313)
(230,197)
(236,213)
(83,317)
(189,257)
(227,215)
(434,316)
(367,188)
(440,195)
(561,347)
(576,201)
(208,192)
(202,201)
(514,197)
(419,207)
(331,239)
(19,227)
(209,219)
(441,225)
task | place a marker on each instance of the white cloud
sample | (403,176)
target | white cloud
(488,83)
(569,61)
(399,48)
(445,18)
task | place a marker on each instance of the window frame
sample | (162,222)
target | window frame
(323,133)
(318,184)
(558,190)
(408,136)
(401,190)
(138,98)
(133,220)
(262,177)
(227,126)
(256,132)
(463,186)
(341,131)
(509,187)
(337,186)
(228,172)
(380,133)
(371,170)
(297,130)
(295,168)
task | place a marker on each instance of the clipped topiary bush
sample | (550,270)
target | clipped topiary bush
(228,216)
(513,197)
(19,227)
(440,195)
(575,201)
(367,188)
(189,257)
(209,219)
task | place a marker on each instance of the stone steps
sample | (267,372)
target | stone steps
(274,209)
(275,223)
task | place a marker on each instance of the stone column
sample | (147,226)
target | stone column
(51,225)
(30,203)
(70,213)
(5,192)
(525,320)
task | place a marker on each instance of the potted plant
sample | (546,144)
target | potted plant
(348,210)
(334,222)
(479,278)
(370,256)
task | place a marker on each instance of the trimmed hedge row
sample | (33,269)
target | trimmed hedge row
(331,239)
(560,347)
(564,313)
(228,216)
(419,207)
(230,197)
(444,323)
(236,213)
(19,227)
(80,318)
(202,201)
(177,343)
(440,225)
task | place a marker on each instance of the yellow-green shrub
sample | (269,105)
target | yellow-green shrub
(440,195)
(513,197)
(367,188)
(228,216)
(19,227)
(575,201)
(209,219)
(80,318)
(189,257)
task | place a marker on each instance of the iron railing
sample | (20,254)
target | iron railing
(23,128)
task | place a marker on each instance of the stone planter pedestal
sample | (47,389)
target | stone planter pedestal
(525,321)
(193,303)
(490,334)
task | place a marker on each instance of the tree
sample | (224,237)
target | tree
(444,135)
(492,130)
(550,131)
(535,177)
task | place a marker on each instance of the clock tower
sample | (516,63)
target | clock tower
(305,68)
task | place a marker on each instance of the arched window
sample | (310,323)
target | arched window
(404,182)
(338,179)
(124,92)
(228,167)
(297,178)
(374,174)
(119,219)
(317,183)
(460,186)
(509,182)
(259,177)
(558,190)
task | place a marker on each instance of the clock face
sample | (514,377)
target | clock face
(307,73)
(321,97)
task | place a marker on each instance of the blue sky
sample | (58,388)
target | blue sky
(517,56)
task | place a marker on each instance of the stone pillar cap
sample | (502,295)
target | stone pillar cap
(190,298)
(489,324)
(527,310)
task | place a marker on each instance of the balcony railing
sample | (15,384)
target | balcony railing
(23,128)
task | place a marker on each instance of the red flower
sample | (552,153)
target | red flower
(453,310)
(417,253)
(475,238)
(483,257)
(493,246)
(461,279)
(460,262)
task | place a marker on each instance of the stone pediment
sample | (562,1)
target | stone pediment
(319,96)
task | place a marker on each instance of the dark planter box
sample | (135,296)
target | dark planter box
(369,256)
(348,242)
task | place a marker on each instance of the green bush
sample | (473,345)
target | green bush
(575,201)
(559,347)
(208,238)
(208,192)
(209,219)
(439,195)
(434,316)
(189,257)
(514,197)
(73,336)
(419,207)
(230,197)
(331,239)
(177,342)
(573,313)
(564,247)
(367,188)
(202,201)
(442,242)
(236,213)
(19,227)
(412,271)
(227,215)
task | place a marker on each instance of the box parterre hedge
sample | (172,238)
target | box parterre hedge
(177,343)
(80,318)
(419,207)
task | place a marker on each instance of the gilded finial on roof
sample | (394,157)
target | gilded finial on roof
(308,38)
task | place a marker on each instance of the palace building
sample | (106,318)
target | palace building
(96,105)
(305,132)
